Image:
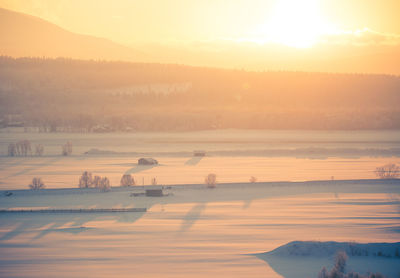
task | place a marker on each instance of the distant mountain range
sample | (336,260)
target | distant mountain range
(24,35)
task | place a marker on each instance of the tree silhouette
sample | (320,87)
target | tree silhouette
(211,180)
(127,180)
(37,184)
(388,171)
(86,181)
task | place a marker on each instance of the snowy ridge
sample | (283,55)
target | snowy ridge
(330,248)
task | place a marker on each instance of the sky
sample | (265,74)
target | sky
(361,36)
(296,23)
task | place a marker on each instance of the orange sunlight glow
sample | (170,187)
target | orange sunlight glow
(296,24)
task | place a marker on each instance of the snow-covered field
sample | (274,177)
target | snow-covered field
(195,231)
(234,155)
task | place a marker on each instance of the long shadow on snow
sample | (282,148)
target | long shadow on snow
(194,160)
(42,224)
(139,168)
(47,223)
(35,167)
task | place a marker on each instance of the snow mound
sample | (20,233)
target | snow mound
(100,152)
(330,248)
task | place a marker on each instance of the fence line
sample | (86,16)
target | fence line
(94,210)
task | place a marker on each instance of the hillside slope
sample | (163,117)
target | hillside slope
(25,35)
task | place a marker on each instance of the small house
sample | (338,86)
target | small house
(147,161)
(199,153)
(154,193)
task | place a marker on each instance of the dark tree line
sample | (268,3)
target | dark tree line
(97,96)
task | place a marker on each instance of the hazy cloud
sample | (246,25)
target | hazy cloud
(361,37)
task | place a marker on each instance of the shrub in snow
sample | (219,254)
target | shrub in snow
(340,261)
(338,270)
(36,184)
(39,150)
(127,180)
(85,181)
(211,180)
(67,149)
(388,171)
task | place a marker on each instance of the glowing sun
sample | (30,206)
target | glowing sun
(296,23)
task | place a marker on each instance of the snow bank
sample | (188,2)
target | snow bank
(330,248)
(305,259)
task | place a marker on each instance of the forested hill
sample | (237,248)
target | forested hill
(78,95)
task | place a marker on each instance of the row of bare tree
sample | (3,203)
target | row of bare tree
(87,181)
(23,148)
(388,171)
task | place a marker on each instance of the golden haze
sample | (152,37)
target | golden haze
(308,35)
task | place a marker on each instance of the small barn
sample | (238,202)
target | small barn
(147,161)
(154,193)
(199,153)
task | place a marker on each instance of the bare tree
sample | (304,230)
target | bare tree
(340,261)
(64,150)
(105,184)
(211,180)
(85,181)
(96,181)
(338,270)
(67,149)
(12,149)
(39,150)
(127,180)
(23,148)
(388,171)
(253,179)
(18,148)
(27,147)
(324,273)
(37,184)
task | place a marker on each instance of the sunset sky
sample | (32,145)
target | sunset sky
(292,22)
(286,33)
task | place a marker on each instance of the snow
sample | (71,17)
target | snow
(196,231)
(305,258)
(330,248)
(234,155)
